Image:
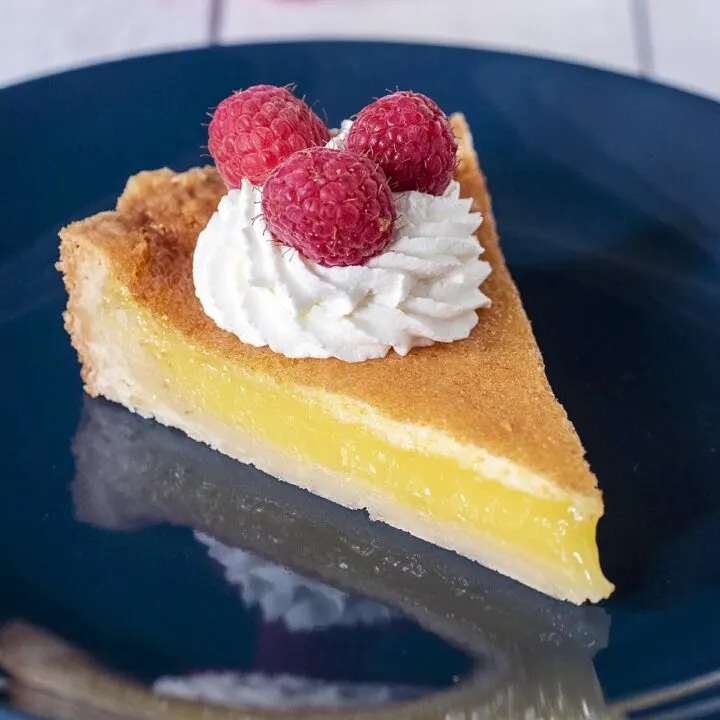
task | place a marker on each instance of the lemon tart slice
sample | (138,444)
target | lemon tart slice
(462,444)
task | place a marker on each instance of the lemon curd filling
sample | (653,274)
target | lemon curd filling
(551,533)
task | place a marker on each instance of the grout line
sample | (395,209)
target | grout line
(640,12)
(215,19)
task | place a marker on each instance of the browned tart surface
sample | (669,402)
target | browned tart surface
(489,390)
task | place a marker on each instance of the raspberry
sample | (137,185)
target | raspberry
(409,136)
(254,130)
(333,206)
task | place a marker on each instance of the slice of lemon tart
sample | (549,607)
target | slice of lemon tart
(460,443)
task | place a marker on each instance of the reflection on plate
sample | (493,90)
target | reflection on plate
(257,690)
(301,605)
(308,565)
(281,594)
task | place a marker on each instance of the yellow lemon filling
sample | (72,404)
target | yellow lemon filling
(555,534)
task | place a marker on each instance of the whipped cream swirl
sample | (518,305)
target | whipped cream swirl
(424,288)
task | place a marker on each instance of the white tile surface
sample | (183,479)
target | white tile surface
(42,36)
(596,32)
(685,38)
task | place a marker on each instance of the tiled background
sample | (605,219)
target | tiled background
(671,41)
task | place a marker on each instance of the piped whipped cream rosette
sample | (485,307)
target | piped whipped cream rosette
(349,249)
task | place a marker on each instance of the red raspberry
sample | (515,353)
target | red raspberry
(254,130)
(333,206)
(409,136)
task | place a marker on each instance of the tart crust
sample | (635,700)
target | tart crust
(488,391)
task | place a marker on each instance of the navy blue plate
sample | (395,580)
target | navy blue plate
(605,190)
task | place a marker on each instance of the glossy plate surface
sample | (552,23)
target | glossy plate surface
(161,558)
